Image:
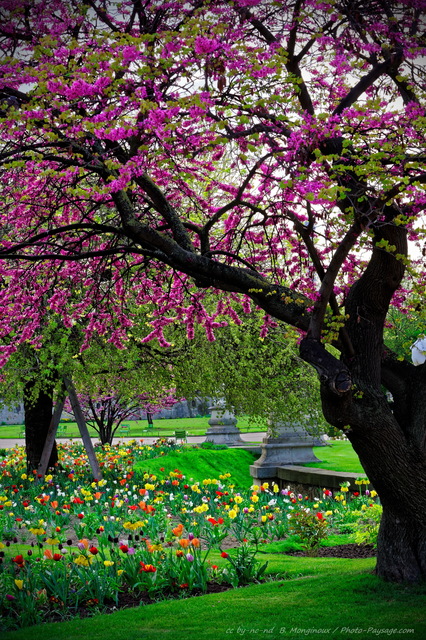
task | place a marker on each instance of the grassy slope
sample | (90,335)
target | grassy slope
(198,464)
(332,594)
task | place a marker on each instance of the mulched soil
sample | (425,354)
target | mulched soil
(341,551)
(126,599)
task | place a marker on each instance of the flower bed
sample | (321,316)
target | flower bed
(70,543)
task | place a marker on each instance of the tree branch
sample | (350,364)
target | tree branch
(366,81)
(333,373)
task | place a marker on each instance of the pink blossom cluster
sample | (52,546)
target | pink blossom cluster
(144,160)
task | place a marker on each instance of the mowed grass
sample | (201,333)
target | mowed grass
(139,428)
(318,597)
(338,455)
(197,464)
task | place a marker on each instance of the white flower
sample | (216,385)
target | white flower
(418,351)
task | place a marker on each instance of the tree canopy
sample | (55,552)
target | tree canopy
(273,152)
(229,141)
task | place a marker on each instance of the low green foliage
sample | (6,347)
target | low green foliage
(212,445)
(367,526)
(245,568)
(310,527)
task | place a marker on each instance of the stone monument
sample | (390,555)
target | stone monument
(222,426)
(285,444)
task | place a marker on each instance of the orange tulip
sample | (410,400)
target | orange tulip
(184,543)
(177,531)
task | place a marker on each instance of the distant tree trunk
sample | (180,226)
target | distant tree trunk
(106,433)
(189,407)
(38,408)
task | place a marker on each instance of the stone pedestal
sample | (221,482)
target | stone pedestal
(222,429)
(285,444)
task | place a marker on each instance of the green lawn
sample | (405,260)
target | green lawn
(316,597)
(139,428)
(337,456)
(304,597)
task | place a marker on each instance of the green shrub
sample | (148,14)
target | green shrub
(367,526)
(310,527)
(212,445)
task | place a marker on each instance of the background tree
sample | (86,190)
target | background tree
(118,381)
(106,413)
(262,377)
(33,375)
(118,384)
(114,122)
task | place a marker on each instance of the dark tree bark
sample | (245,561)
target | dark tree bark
(388,438)
(38,408)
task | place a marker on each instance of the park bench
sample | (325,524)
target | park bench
(180,435)
(125,430)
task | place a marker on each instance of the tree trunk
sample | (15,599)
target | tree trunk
(401,548)
(388,438)
(106,434)
(399,476)
(395,466)
(38,408)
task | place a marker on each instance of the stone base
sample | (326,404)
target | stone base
(287,446)
(222,429)
(224,435)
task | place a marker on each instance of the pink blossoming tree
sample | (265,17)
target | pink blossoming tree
(106,413)
(273,152)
